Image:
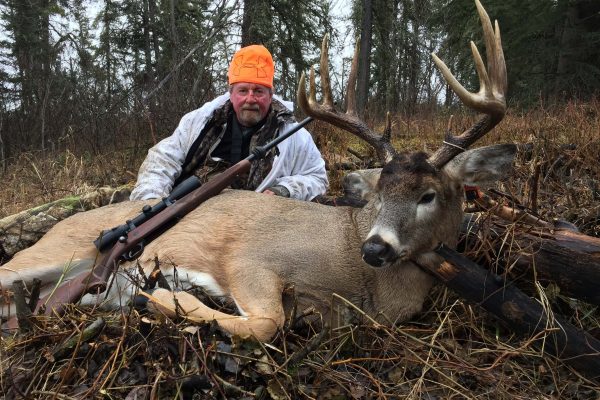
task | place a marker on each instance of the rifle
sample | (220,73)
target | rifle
(96,281)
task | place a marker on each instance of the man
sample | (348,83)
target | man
(224,131)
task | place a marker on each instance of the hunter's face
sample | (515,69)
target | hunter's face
(250,102)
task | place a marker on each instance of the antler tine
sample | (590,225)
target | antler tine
(325,82)
(352,77)
(489,100)
(326,112)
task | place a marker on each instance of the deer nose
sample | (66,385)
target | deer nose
(376,252)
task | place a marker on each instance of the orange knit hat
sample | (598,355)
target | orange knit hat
(252,64)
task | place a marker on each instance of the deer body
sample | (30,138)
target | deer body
(249,247)
(217,246)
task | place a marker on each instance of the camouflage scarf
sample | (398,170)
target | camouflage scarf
(200,164)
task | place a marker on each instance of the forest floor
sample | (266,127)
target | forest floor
(452,350)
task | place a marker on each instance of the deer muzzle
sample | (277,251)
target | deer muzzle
(377,252)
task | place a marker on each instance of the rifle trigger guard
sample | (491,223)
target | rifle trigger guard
(134,253)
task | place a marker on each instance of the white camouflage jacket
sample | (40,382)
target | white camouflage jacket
(299,166)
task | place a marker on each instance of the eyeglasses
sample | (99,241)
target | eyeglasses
(258,93)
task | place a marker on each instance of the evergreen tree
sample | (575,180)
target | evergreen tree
(291,30)
(551,48)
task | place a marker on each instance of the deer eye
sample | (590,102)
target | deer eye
(427,198)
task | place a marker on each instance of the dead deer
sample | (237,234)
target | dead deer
(249,246)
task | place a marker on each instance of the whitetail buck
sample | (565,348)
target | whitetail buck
(250,246)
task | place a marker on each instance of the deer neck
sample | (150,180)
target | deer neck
(363,219)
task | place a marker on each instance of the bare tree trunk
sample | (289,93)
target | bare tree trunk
(403,44)
(568,41)
(2,152)
(108,52)
(247,22)
(174,36)
(414,62)
(44,82)
(146,23)
(364,60)
(152,28)
(43,107)
(449,97)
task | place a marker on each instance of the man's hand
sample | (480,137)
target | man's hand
(277,191)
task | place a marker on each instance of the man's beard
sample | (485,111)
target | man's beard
(249,116)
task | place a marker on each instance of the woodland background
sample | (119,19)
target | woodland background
(100,76)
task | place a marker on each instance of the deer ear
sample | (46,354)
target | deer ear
(482,166)
(360,185)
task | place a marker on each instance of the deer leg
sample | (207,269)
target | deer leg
(263,314)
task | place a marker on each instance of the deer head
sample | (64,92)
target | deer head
(416,199)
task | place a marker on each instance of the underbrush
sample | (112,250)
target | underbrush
(452,351)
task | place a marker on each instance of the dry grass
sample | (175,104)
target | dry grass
(453,350)
(34,179)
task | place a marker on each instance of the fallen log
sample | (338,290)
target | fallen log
(523,244)
(519,312)
(527,245)
(21,230)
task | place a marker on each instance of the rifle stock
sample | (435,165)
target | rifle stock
(69,292)
(96,281)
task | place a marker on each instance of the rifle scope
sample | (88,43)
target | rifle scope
(110,236)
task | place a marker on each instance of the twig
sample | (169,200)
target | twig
(305,313)
(291,318)
(356,154)
(22,308)
(311,346)
(153,392)
(89,333)
(233,388)
(39,369)
(204,362)
(11,378)
(111,360)
(53,394)
(35,293)
(533,188)
(511,214)
(157,276)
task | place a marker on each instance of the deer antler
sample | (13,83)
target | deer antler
(348,121)
(490,99)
